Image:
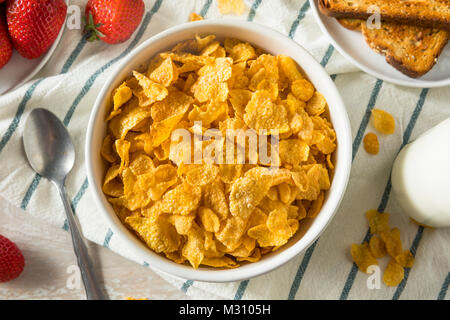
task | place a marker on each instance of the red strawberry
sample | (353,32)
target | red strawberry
(11,260)
(6,48)
(113,21)
(34,25)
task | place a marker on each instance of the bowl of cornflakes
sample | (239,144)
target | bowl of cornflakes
(218,150)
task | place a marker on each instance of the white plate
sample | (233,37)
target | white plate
(19,70)
(351,44)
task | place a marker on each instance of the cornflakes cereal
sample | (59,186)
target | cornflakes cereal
(383,121)
(120,96)
(385,241)
(231,6)
(181,200)
(371,144)
(393,274)
(166,73)
(377,247)
(194,249)
(261,113)
(420,224)
(213,196)
(362,256)
(209,220)
(378,222)
(302,89)
(223,209)
(157,232)
(111,185)
(293,151)
(200,175)
(405,259)
(316,105)
(392,241)
(195,17)
(248,191)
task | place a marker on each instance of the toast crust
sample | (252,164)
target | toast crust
(351,24)
(411,50)
(420,16)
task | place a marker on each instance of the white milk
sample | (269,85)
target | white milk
(421,177)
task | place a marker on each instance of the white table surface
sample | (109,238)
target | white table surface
(48,253)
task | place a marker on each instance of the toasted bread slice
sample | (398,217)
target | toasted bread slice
(412,50)
(425,13)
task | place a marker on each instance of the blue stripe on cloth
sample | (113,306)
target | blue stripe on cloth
(301,271)
(366,118)
(413,250)
(251,14)
(30,191)
(383,203)
(205,8)
(186,285)
(79,194)
(108,237)
(301,15)
(145,264)
(241,290)
(88,85)
(75,201)
(444,288)
(15,122)
(29,93)
(74,55)
(327,56)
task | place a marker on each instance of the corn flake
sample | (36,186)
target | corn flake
(383,121)
(393,274)
(377,247)
(362,256)
(231,6)
(379,222)
(371,144)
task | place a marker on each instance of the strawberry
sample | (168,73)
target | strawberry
(11,260)
(34,25)
(6,48)
(113,21)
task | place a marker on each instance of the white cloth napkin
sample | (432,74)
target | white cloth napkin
(69,84)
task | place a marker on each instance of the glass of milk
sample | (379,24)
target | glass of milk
(421,177)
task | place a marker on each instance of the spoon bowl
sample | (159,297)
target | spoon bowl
(48,146)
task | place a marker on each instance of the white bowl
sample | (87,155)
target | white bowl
(274,43)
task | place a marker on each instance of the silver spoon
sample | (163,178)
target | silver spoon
(51,154)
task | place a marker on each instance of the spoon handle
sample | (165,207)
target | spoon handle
(90,281)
